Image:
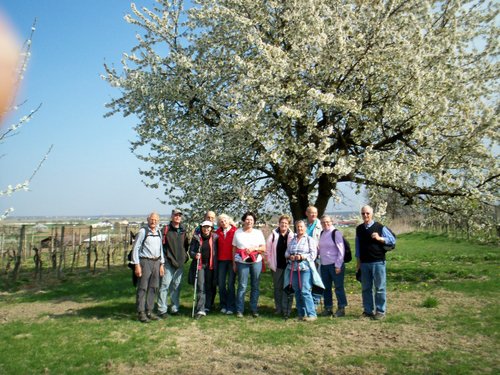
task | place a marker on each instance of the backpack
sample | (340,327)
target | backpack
(347,247)
(389,247)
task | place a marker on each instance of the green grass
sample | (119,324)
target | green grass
(430,302)
(443,317)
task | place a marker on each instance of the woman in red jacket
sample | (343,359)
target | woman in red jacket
(226,274)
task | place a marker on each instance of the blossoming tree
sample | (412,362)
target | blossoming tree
(268,104)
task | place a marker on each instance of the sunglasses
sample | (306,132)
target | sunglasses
(366,213)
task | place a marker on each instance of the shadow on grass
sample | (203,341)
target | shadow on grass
(79,287)
(116,311)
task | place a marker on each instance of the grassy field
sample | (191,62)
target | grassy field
(443,317)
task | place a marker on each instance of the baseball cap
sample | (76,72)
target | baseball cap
(176,211)
(207,223)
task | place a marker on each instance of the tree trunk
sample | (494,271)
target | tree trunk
(61,254)
(37,258)
(96,258)
(17,264)
(325,188)
(89,248)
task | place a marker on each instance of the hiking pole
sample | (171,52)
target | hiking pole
(195,284)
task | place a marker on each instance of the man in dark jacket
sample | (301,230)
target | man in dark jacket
(370,240)
(175,247)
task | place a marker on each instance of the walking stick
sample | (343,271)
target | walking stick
(195,284)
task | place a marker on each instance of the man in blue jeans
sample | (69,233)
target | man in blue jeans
(370,240)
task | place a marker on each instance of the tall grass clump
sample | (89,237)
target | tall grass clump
(430,302)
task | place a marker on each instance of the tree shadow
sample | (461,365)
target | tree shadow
(82,286)
(114,311)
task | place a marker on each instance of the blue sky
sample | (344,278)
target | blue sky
(91,170)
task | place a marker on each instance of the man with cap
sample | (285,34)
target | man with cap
(203,250)
(175,247)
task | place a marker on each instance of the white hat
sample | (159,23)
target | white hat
(207,223)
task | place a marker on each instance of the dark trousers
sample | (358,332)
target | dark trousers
(204,288)
(282,301)
(227,290)
(147,285)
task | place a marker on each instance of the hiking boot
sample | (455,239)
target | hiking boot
(174,312)
(152,316)
(162,315)
(378,316)
(366,315)
(309,318)
(327,312)
(340,312)
(255,314)
(143,318)
(239,315)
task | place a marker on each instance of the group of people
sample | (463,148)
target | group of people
(304,263)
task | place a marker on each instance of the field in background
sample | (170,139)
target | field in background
(443,317)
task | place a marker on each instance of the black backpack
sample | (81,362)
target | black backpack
(347,247)
(389,247)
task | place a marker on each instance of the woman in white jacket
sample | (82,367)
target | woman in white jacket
(276,245)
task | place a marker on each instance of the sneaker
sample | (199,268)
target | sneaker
(327,312)
(378,316)
(239,315)
(229,312)
(152,316)
(309,318)
(340,312)
(223,311)
(200,314)
(366,315)
(207,310)
(255,314)
(143,318)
